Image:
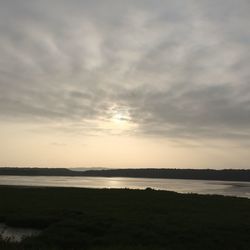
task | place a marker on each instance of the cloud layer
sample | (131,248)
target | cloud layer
(179,68)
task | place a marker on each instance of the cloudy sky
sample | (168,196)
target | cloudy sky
(130,83)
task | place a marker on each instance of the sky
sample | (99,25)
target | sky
(113,83)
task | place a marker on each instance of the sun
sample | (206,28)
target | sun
(118,120)
(119,117)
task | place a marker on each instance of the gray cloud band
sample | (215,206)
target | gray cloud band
(180,69)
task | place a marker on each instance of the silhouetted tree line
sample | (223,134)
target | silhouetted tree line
(197,174)
(36,171)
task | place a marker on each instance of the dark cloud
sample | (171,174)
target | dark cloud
(181,69)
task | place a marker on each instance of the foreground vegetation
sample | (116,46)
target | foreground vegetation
(75,218)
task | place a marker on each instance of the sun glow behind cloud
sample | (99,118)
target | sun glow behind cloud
(120,116)
(117,122)
(149,81)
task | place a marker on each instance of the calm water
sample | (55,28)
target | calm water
(240,189)
(16,234)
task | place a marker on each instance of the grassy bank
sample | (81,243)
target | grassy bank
(74,218)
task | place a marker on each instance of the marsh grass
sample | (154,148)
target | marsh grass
(121,219)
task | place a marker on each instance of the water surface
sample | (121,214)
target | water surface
(230,188)
(15,234)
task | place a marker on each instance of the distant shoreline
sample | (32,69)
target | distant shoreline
(189,174)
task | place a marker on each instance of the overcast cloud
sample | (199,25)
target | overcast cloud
(179,68)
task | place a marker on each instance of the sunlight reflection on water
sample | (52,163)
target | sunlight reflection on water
(230,188)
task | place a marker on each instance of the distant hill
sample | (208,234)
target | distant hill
(196,174)
(37,171)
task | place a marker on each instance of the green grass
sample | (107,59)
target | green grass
(120,219)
